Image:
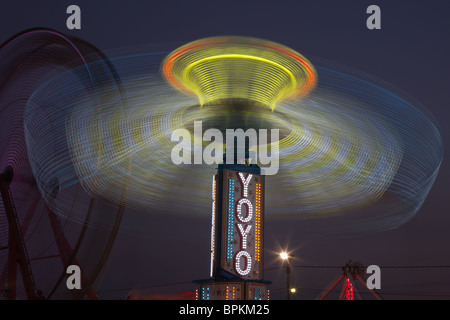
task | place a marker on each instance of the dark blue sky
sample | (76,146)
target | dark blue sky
(410,52)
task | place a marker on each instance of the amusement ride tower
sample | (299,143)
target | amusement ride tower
(241,80)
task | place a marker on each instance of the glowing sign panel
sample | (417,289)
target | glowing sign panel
(222,291)
(242,224)
(232,291)
(257,291)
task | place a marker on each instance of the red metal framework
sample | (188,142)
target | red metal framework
(349,291)
(17,251)
(16,247)
(34,230)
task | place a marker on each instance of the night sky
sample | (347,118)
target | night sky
(411,52)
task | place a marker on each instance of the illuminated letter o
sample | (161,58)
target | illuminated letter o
(237,264)
(249,210)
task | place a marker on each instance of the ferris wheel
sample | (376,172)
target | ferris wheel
(46,222)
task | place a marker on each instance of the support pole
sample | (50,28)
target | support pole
(66,252)
(377,296)
(17,251)
(332,287)
(288,279)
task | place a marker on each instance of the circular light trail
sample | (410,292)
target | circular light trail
(223,68)
(349,149)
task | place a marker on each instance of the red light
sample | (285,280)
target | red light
(349,290)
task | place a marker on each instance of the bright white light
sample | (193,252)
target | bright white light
(248,265)
(284,255)
(249,210)
(245,182)
(244,233)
